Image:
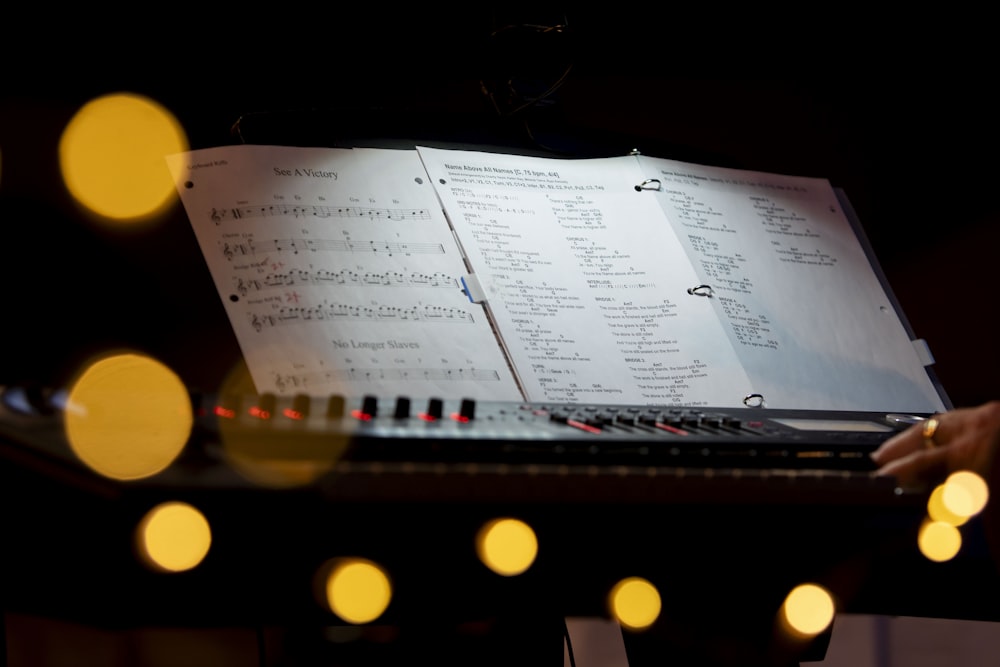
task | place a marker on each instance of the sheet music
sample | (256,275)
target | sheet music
(339,273)
(587,284)
(801,303)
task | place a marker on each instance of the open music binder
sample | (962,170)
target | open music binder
(489,275)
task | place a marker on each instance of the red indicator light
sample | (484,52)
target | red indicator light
(583,427)
(224,412)
(426,417)
(259,412)
(672,429)
(292,414)
(459,418)
(363,416)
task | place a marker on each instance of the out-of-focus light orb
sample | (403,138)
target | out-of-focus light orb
(173,537)
(112,152)
(128,416)
(273,473)
(939,541)
(507,546)
(938,509)
(357,590)
(965,493)
(635,603)
(808,609)
(262,455)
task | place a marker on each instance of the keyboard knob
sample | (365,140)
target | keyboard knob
(369,406)
(300,406)
(264,409)
(435,408)
(402,410)
(335,407)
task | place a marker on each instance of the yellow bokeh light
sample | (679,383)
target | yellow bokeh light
(939,541)
(174,537)
(358,590)
(128,416)
(278,474)
(635,603)
(507,546)
(112,152)
(274,458)
(965,493)
(938,509)
(808,609)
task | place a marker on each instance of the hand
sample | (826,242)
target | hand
(965,439)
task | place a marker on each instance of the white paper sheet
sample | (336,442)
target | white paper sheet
(801,302)
(587,283)
(339,273)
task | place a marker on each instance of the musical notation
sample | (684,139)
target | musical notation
(218,215)
(305,381)
(249,247)
(343,277)
(343,312)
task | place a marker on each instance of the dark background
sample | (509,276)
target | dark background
(899,111)
(904,125)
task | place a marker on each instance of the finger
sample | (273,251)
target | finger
(932,431)
(902,444)
(917,468)
(922,435)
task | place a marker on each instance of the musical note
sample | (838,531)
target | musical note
(390,248)
(295,381)
(343,277)
(437,374)
(294,246)
(341,311)
(218,215)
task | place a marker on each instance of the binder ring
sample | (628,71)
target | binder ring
(701,290)
(754,400)
(648,184)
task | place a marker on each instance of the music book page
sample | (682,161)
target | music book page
(586,283)
(339,273)
(810,320)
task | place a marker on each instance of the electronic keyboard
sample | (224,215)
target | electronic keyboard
(394,448)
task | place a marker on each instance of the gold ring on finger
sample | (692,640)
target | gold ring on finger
(930,428)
